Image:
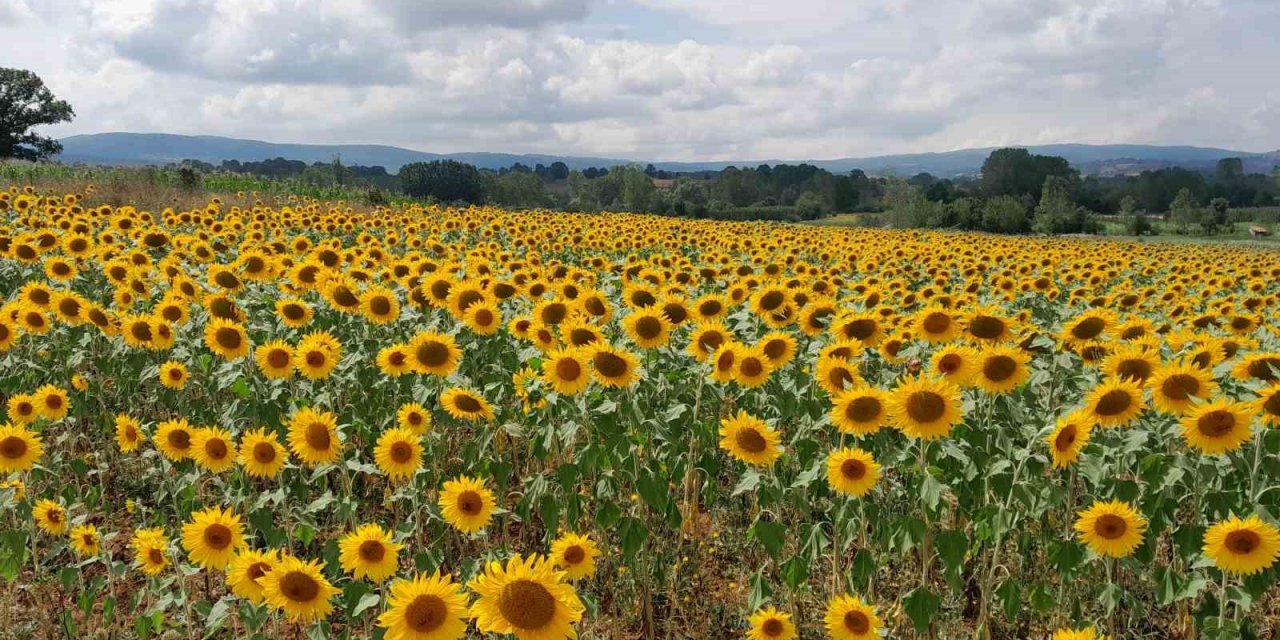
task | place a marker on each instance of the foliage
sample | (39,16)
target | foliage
(443,180)
(26,103)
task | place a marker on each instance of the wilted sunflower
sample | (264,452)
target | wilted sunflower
(525,598)
(1176,387)
(1244,546)
(50,516)
(861,410)
(1115,403)
(398,453)
(429,607)
(369,552)
(849,618)
(244,576)
(1069,438)
(212,537)
(770,624)
(1217,427)
(464,404)
(434,353)
(174,375)
(575,555)
(299,589)
(466,504)
(1111,528)
(613,367)
(313,437)
(852,471)
(275,359)
(261,454)
(213,449)
(750,439)
(150,551)
(227,339)
(565,370)
(20,448)
(85,540)
(925,409)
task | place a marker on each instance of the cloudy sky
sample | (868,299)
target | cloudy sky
(663,79)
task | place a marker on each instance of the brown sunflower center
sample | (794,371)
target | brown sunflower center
(710,340)
(857,622)
(380,306)
(257,570)
(470,503)
(986,327)
(840,377)
(216,448)
(1216,424)
(1110,526)
(750,440)
(293,311)
(141,331)
(1272,405)
(853,469)
(432,354)
(278,358)
(217,536)
(179,439)
(1088,328)
(926,406)
(1114,403)
(316,359)
(401,452)
(1134,369)
(950,363)
(155,555)
(649,327)
(999,368)
(772,627)
(467,404)
(1243,541)
(936,323)
(568,369)
(1180,386)
(610,365)
(1261,368)
(345,297)
(751,367)
(372,551)
(317,436)
(772,300)
(484,318)
(297,586)
(574,555)
(426,613)
(863,409)
(13,447)
(264,453)
(527,604)
(227,338)
(860,329)
(1065,438)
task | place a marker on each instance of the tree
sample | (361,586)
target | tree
(559,171)
(25,103)
(1229,169)
(1057,213)
(1016,172)
(1005,214)
(444,180)
(1217,217)
(1185,210)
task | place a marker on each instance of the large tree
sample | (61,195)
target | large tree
(444,180)
(25,103)
(1017,172)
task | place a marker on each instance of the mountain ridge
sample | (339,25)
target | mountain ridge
(127,148)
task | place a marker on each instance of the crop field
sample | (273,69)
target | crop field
(293,418)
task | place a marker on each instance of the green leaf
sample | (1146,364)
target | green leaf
(952,547)
(748,483)
(1066,556)
(1010,595)
(770,534)
(217,616)
(760,591)
(241,388)
(653,488)
(795,571)
(920,606)
(367,601)
(633,533)
(931,492)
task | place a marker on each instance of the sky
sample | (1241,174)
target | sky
(663,79)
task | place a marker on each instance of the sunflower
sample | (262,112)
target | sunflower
(1087,633)
(575,555)
(21,409)
(434,353)
(1242,546)
(299,589)
(750,440)
(213,449)
(1001,369)
(956,364)
(394,361)
(779,347)
(466,504)
(275,359)
(613,367)
(128,433)
(987,324)
(525,598)
(226,338)
(1263,366)
(1090,326)
(483,318)
(20,448)
(294,313)
(648,328)
(770,624)
(85,540)
(1069,438)
(313,437)
(1115,402)
(244,576)
(1267,406)
(1176,387)
(464,404)
(849,618)
(174,375)
(261,454)
(429,607)
(706,338)
(1217,427)
(725,362)
(50,516)
(1111,528)
(51,402)
(379,305)
(852,471)
(864,327)
(368,552)
(1133,362)
(212,537)
(936,324)
(398,453)
(752,368)
(860,411)
(317,355)
(565,370)
(924,408)
(836,375)
(150,551)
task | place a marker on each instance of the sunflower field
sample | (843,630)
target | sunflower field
(290,418)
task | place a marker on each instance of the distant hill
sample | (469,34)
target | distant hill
(161,148)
